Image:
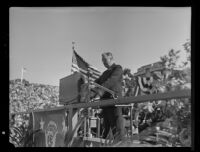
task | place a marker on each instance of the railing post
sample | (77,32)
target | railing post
(74,119)
(98,127)
(89,122)
(85,126)
(70,110)
(131,120)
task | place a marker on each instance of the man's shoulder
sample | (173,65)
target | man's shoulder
(117,66)
(113,68)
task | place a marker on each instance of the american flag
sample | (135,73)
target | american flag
(80,65)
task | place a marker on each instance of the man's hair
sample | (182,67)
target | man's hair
(107,54)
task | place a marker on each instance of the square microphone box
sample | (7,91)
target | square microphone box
(69,88)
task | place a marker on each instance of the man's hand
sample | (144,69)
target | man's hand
(92,86)
(92,94)
(98,91)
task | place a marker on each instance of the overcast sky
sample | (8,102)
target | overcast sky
(41,38)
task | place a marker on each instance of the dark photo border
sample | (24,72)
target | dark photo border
(4,54)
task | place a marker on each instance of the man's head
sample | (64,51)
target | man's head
(107,59)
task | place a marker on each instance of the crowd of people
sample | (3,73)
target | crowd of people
(24,96)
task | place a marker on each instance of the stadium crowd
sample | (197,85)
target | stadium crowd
(28,96)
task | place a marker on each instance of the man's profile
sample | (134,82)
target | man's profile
(111,79)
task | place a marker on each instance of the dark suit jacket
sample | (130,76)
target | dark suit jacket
(111,79)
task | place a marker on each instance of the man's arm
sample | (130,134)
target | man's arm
(111,81)
(98,80)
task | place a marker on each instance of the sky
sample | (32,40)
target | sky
(41,38)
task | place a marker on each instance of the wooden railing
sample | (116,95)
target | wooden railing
(127,100)
(137,99)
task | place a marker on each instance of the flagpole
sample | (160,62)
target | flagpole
(22,74)
(89,109)
(72,53)
(73,46)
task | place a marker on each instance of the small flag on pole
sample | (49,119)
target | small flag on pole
(22,73)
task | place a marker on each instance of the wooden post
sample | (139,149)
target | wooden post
(74,119)
(85,126)
(89,122)
(88,100)
(131,120)
(98,127)
(70,115)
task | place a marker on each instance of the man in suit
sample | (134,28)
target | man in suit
(111,79)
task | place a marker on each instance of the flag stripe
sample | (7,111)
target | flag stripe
(84,73)
(75,69)
(78,68)
(94,69)
(80,62)
(95,73)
